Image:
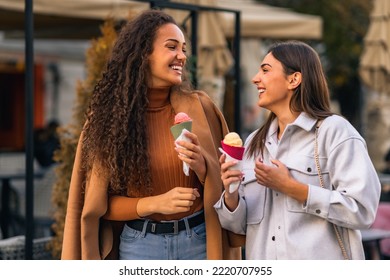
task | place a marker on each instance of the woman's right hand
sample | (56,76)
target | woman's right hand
(230,175)
(177,200)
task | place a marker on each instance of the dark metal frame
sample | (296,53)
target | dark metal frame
(29,150)
(29,91)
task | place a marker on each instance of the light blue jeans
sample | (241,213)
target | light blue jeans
(188,244)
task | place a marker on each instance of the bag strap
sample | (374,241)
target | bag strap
(316,157)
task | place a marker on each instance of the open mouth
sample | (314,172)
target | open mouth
(177,68)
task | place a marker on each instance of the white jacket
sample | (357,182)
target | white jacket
(279,227)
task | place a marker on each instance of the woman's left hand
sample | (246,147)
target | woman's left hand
(191,153)
(274,176)
(278,177)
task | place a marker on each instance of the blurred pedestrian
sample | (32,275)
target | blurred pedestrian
(46,142)
(386,170)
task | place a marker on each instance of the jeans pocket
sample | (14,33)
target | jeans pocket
(199,231)
(129,234)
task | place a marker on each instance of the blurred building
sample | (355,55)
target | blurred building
(59,59)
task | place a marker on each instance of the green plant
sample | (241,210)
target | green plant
(96,59)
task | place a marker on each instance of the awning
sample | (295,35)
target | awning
(264,21)
(57,19)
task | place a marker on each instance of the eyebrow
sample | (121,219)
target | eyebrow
(177,41)
(265,64)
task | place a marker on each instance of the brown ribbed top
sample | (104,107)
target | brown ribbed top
(166,167)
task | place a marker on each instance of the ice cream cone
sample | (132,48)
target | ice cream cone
(233,153)
(177,129)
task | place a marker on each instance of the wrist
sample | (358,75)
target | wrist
(231,200)
(300,192)
(202,174)
(145,206)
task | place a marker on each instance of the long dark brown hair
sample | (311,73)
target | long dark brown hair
(115,137)
(311,96)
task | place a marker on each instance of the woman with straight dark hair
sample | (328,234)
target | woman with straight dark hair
(308,184)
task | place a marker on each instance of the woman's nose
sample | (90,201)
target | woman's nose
(181,55)
(256,78)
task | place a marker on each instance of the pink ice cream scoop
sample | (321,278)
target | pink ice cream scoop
(182,117)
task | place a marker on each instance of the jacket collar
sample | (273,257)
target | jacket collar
(303,121)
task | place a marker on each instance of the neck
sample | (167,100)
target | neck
(284,120)
(158,97)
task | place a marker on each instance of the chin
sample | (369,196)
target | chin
(177,82)
(262,105)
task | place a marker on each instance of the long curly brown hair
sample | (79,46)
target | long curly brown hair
(115,131)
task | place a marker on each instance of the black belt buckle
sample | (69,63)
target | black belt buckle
(175,227)
(153,229)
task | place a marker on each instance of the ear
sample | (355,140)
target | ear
(294,80)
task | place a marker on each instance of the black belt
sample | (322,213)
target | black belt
(170,227)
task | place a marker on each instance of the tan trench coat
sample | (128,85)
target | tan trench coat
(87,236)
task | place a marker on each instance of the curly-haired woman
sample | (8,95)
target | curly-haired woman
(128,177)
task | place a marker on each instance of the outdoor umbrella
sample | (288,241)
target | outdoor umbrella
(215,59)
(374,72)
(375,61)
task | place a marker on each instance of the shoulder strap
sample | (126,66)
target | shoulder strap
(316,158)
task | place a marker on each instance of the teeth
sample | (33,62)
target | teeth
(261,90)
(175,67)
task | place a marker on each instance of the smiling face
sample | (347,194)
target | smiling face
(168,57)
(274,86)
